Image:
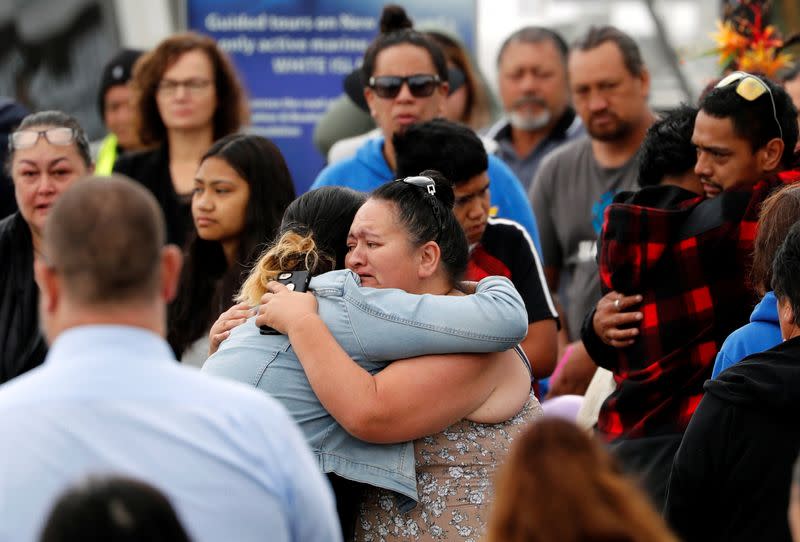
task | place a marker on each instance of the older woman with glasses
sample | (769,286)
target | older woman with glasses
(186,95)
(47,153)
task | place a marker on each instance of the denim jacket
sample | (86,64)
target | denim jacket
(372,326)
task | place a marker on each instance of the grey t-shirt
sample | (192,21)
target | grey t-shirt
(569,195)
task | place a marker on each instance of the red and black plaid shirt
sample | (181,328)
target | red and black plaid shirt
(689,257)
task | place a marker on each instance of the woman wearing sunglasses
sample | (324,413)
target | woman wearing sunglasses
(186,96)
(346,124)
(48,152)
(405,238)
(407,82)
(467,102)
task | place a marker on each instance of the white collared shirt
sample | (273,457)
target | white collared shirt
(112,399)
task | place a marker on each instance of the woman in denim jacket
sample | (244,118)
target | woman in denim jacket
(406,237)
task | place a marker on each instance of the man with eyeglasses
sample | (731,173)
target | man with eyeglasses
(532,79)
(688,257)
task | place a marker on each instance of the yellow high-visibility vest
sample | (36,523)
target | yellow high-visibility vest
(106,156)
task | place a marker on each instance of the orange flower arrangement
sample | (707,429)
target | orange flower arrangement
(730,43)
(744,43)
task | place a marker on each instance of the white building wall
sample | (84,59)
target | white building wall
(143,23)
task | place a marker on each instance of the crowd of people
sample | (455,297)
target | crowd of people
(574,320)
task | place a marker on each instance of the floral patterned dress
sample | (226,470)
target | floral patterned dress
(455,469)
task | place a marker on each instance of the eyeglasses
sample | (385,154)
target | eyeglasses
(751,88)
(430,187)
(194,85)
(24,139)
(420,85)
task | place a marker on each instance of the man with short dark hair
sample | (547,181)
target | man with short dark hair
(532,78)
(111,398)
(610,86)
(688,257)
(497,246)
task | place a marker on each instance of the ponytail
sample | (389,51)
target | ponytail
(292,252)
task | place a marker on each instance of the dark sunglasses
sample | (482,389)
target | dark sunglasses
(420,85)
(751,88)
(24,139)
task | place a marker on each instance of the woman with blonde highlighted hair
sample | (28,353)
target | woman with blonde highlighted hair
(405,252)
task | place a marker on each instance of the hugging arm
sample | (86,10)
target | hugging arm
(408,399)
(393,324)
(491,320)
(234,316)
(611,325)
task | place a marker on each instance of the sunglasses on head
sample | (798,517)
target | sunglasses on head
(430,187)
(420,85)
(24,139)
(751,88)
(422,181)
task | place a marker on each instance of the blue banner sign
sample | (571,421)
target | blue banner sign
(293,56)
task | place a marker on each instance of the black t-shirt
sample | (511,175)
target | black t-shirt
(151,168)
(506,250)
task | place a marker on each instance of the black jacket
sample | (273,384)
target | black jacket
(151,168)
(22,346)
(11,114)
(731,475)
